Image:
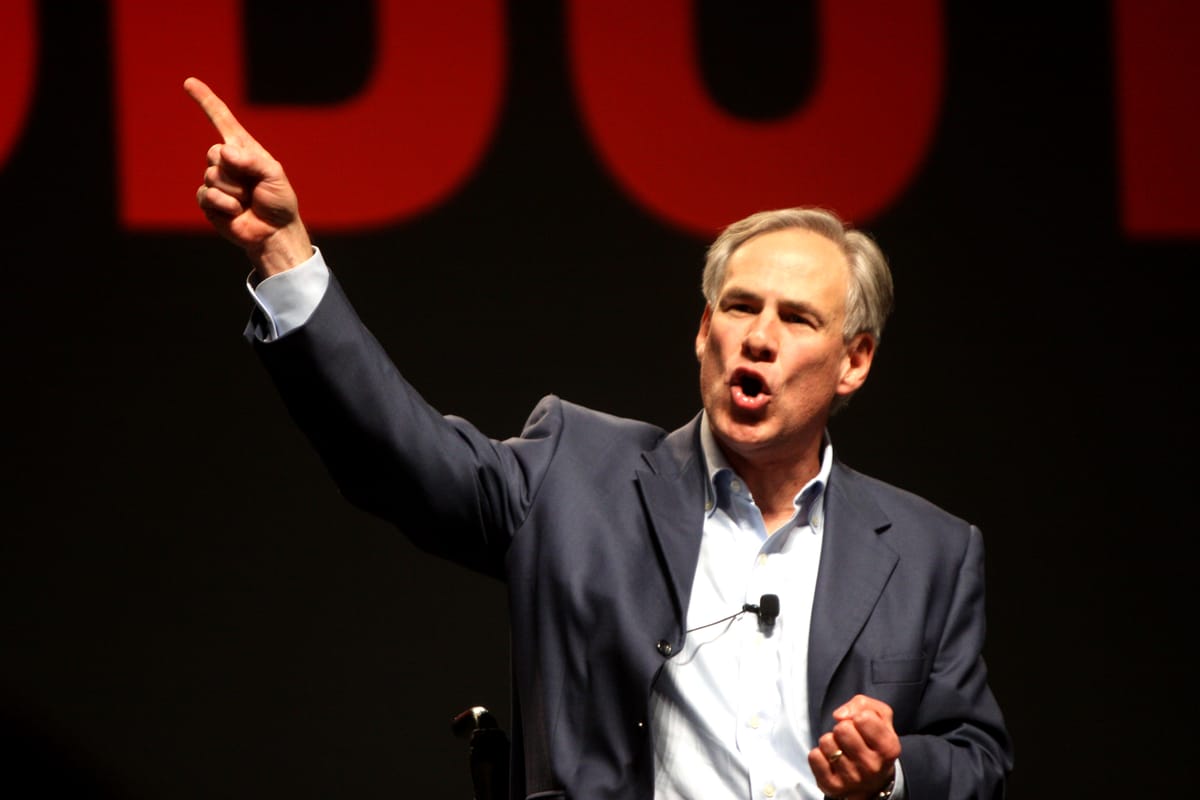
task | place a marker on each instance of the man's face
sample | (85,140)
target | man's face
(772,356)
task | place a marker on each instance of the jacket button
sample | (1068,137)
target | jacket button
(665,648)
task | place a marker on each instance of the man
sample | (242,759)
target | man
(633,555)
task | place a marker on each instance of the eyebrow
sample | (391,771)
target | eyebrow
(796,306)
(739,294)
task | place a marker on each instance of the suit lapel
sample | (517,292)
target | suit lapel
(672,490)
(855,566)
(855,561)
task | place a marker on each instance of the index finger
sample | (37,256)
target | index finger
(217,112)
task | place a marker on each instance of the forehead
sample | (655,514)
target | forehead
(792,261)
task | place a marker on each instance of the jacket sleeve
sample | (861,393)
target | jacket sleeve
(962,749)
(450,489)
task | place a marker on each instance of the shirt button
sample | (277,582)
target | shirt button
(762,559)
(708,505)
(769,790)
(736,486)
(665,648)
(755,722)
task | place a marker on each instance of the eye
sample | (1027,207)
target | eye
(793,318)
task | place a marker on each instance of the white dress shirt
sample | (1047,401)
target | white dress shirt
(730,711)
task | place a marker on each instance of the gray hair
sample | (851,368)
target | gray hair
(869,299)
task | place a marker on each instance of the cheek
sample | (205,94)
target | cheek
(708,366)
(818,369)
(708,350)
(711,367)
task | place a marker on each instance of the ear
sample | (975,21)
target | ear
(702,334)
(856,363)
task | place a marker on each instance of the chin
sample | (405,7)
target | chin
(745,432)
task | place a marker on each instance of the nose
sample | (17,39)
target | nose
(762,340)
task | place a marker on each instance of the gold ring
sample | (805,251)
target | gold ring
(835,756)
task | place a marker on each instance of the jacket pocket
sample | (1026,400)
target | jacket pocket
(900,670)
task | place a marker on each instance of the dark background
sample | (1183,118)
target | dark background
(189,609)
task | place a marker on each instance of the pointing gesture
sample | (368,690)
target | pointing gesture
(245,195)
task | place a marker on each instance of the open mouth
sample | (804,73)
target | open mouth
(750,385)
(749,390)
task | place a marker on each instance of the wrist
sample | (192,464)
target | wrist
(285,248)
(882,793)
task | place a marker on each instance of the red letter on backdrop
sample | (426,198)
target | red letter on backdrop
(1158,126)
(404,143)
(18,53)
(853,147)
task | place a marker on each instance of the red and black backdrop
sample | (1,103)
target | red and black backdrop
(518,196)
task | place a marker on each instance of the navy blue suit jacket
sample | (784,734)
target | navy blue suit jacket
(595,524)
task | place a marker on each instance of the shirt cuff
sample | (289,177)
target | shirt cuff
(898,790)
(283,302)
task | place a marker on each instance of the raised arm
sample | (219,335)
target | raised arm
(246,195)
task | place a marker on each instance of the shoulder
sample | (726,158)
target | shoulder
(897,510)
(556,417)
(927,537)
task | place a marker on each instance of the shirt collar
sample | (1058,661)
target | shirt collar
(809,501)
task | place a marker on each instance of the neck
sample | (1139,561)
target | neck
(774,482)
